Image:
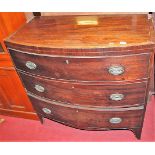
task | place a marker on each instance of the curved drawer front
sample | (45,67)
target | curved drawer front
(88,119)
(114,68)
(86,94)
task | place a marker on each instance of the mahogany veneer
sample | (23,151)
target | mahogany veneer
(87,72)
(89,118)
(13,101)
(89,94)
(83,68)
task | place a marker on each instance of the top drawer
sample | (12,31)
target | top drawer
(105,68)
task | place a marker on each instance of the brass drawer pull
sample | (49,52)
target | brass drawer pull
(116,70)
(46,110)
(116,97)
(39,88)
(31,65)
(115,120)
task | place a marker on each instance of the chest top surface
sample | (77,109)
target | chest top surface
(78,32)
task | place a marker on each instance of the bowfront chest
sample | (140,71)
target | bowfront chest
(87,72)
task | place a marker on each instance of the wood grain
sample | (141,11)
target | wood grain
(84,68)
(65,32)
(73,55)
(84,119)
(13,98)
(9,23)
(87,94)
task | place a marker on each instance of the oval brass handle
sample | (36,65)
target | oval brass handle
(116,70)
(116,97)
(115,120)
(39,88)
(46,110)
(31,65)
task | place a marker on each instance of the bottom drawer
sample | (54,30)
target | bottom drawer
(88,118)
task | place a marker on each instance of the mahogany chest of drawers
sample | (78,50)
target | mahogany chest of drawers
(87,72)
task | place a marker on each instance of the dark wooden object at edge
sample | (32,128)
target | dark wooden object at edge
(79,67)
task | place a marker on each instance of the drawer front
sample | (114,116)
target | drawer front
(86,94)
(88,119)
(114,68)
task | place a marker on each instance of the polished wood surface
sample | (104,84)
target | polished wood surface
(13,98)
(84,119)
(68,64)
(87,94)
(101,31)
(9,23)
(5,61)
(84,68)
(153,73)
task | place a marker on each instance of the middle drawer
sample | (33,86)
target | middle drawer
(110,95)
